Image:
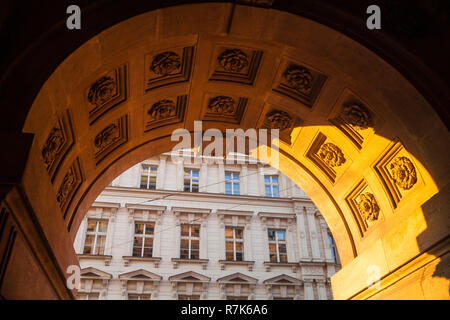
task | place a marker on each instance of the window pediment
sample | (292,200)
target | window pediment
(140,275)
(237,278)
(189,276)
(282,280)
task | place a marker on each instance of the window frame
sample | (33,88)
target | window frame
(144,236)
(96,234)
(234,240)
(190,177)
(190,238)
(233,182)
(271,184)
(277,243)
(148,176)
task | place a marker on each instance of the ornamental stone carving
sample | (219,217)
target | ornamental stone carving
(107,136)
(368,206)
(331,155)
(161,110)
(403,173)
(221,105)
(165,63)
(53,146)
(357,115)
(278,119)
(233,60)
(299,78)
(102,91)
(66,188)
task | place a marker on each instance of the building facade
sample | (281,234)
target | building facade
(184,227)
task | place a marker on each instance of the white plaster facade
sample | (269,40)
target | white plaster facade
(117,274)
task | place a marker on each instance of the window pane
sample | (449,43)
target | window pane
(268,191)
(195,173)
(150,229)
(195,244)
(184,244)
(92,225)
(228,187)
(267,179)
(239,233)
(239,246)
(280,235)
(229,255)
(103,225)
(148,251)
(274,179)
(236,189)
(228,176)
(229,233)
(282,248)
(184,254)
(195,254)
(272,248)
(143,184)
(196,231)
(229,246)
(239,256)
(275,192)
(139,228)
(273,258)
(271,234)
(184,230)
(283,258)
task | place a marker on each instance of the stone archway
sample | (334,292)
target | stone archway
(377,173)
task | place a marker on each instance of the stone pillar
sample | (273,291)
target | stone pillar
(262,191)
(203,177)
(244,180)
(290,239)
(313,233)
(301,232)
(248,253)
(324,234)
(161,173)
(180,175)
(309,290)
(221,178)
(204,240)
(321,289)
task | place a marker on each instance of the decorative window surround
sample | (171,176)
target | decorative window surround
(271,220)
(100,211)
(140,282)
(106,258)
(283,286)
(269,265)
(145,213)
(191,216)
(236,218)
(94,281)
(177,261)
(190,283)
(237,285)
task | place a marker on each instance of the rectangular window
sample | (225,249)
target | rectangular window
(234,244)
(232,183)
(190,241)
(332,246)
(143,239)
(88,296)
(277,245)
(148,177)
(191,180)
(95,240)
(271,186)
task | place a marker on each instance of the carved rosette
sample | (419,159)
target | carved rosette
(107,136)
(161,110)
(233,60)
(299,79)
(368,207)
(278,119)
(356,115)
(165,63)
(102,91)
(53,146)
(221,105)
(331,155)
(403,173)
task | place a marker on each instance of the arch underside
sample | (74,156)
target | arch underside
(353,132)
